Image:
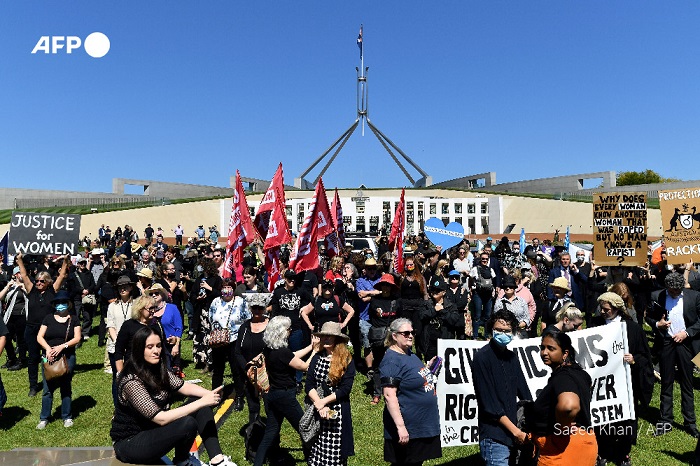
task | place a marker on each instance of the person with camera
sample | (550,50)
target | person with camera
(82,288)
(484,280)
(14,305)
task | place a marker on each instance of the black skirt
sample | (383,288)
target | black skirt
(416,450)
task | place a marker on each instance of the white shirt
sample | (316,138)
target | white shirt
(463,265)
(675,314)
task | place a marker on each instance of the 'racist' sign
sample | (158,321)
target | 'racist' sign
(679,212)
(620,228)
(34,233)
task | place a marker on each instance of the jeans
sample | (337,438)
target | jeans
(296,342)
(219,357)
(66,387)
(15,327)
(34,352)
(364,333)
(483,304)
(148,446)
(279,405)
(494,453)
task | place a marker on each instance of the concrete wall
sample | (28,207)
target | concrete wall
(468,182)
(8,195)
(170,190)
(652,189)
(555,185)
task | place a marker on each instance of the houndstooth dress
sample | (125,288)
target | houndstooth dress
(326,450)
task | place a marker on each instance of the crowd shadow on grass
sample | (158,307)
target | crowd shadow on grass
(470,460)
(79,368)
(78,406)
(11,415)
(682,458)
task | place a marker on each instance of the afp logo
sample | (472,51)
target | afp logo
(96,44)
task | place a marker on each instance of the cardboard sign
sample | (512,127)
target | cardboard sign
(441,235)
(45,234)
(599,350)
(620,228)
(678,216)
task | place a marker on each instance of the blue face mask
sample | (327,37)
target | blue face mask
(61,307)
(502,338)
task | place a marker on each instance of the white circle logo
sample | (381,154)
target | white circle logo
(96,45)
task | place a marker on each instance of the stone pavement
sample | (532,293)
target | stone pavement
(86,456)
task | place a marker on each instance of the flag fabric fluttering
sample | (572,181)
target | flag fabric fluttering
(318,223)
(566,239)
(336,240)
(272,267)
(3,247)
(522,240)
(359,41)
(268,203)
(397,234)
(240,230)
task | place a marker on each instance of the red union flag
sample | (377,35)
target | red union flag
(397,233)
(336,240)
(318,223)
(240,229)
(272,267)
(269,202)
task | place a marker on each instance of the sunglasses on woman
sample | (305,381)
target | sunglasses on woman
(406,334)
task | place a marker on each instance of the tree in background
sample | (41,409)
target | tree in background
(645,177)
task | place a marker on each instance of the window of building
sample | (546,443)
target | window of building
(471,208)
(458,207)
(433,209)
(471,226)
(445,209)
(484,208)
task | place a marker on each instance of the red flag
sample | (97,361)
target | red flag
(272,266)
(397,234)
(240,230)
(274,192)
(336,240)
(317,223)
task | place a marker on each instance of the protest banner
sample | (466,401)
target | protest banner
(34,233)
(600,352)
(441,235)
(620,228)
(681,233)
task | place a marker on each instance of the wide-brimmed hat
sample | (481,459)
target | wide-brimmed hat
(371,262)
(328,284)
(257,299)
(61,296)
(509,282)
(332,329)
(560,282)
(146,273)
(438,284)
(289,273)
(124,280)
(387,278)
(157,288)
(135,247)
(97,251)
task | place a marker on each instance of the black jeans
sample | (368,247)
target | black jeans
(15,327)
(219,357)
(279,405)
(149,446)
(34,350)
(674,354)
(85,313)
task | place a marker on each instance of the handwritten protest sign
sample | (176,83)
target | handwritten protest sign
(599,352)
(620,228)
(678,216)
(33,233)
(441,235)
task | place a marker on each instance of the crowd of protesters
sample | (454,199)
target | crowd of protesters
(496,292)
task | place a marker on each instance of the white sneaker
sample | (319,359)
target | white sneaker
(42,425)
(226,462)
(68,423)
(108,370)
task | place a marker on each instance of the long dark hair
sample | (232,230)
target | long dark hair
(154,377)
(564,342)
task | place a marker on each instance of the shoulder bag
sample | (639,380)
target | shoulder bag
(310,422)
(58,367)
(220,336)
(257,374)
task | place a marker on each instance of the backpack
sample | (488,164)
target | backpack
(483,284)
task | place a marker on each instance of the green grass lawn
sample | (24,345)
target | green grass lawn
(92,410)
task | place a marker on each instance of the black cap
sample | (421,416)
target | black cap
(438,284)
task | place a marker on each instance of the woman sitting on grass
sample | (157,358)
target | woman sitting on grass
(143,429)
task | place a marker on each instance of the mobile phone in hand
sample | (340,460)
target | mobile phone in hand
(436,365)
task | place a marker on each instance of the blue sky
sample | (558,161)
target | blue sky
(191,91)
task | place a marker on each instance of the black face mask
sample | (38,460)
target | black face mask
(170,274)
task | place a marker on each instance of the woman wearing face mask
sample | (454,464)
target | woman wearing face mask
(560,419)
(228,311)
(612,447)
(58,335)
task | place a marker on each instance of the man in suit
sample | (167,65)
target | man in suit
(577,279)
(675,316)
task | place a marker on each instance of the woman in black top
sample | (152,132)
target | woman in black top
(58,335)
(413,294)
(205,289)
(250,343)
(40,293)
(142,311)
(143,428)
(328,307)
(282,364)
(383,310)
(561,416)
